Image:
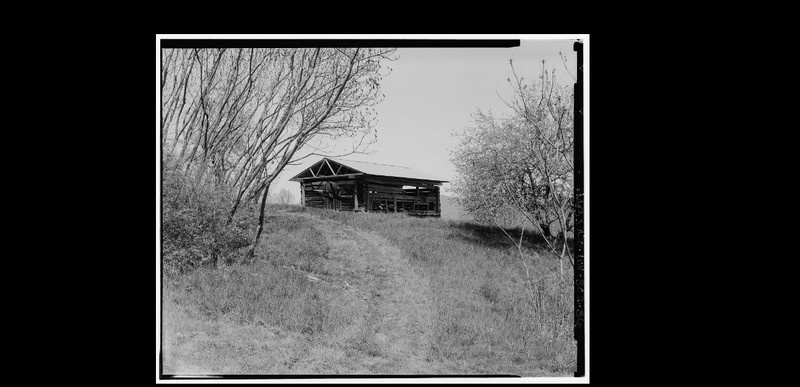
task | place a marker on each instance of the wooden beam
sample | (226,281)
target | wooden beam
(302,194)
(395,204)
(329,167)
(402,181)
(338,169)
(438,205)
(312,172)
(320,168)
(337,177)
(355,197)
(405,198)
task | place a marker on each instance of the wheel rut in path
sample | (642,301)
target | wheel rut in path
(393,331)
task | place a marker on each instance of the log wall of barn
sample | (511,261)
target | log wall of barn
(387,197)
(379,195)
(313,194)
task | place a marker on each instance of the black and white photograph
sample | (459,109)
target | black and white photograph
(372,208)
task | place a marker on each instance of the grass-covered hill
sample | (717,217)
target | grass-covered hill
(362,293)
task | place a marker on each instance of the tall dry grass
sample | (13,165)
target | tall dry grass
(486,319)
(265,291)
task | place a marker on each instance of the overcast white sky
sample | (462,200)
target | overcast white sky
(433,91)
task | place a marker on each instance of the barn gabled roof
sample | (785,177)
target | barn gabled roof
(330,166)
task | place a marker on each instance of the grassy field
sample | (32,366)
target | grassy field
(387,294)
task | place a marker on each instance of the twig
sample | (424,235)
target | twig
(521,256)
(565,66)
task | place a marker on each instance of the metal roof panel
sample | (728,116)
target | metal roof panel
(386,170)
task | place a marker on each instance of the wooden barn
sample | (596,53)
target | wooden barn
(358,186)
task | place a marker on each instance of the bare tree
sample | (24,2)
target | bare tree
(245,113)
(523,163)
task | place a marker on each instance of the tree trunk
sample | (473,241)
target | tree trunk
(233,210)
(252,252)
(545,229)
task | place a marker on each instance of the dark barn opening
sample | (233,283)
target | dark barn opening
(344,185)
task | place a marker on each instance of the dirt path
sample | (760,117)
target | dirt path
(392,333)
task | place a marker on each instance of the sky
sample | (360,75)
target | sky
(432,92)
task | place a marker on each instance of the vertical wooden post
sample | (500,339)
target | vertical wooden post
(395,203)
(302,193)
(367,203)
(355,196)
(324,197)
(438,206)
(386,205)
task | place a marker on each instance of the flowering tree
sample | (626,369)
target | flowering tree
(520,166)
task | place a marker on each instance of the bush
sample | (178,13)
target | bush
(195,229)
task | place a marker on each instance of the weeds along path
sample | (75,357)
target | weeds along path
(393,331)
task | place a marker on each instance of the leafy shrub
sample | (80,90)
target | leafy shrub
(195,228)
